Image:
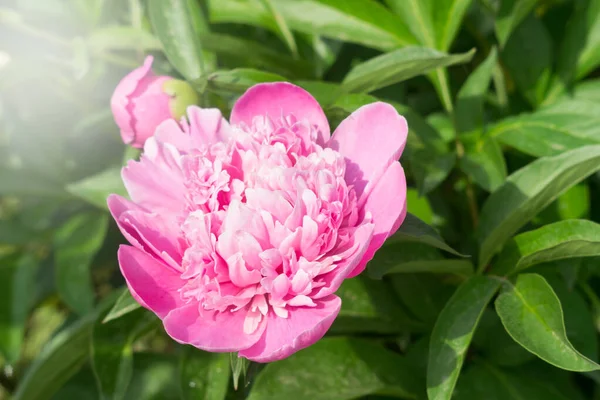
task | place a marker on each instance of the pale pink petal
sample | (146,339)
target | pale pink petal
(205,127)
(156,284)
(156,234)
(156,181)
(303,327)
(149,111)
(371,138)
(280,99)
(333,280)
(211,330)
(387,205)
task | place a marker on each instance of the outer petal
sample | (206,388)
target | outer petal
(303,327)
(119,102)
(387,205)
(371,138)
(211,330)
(149,110)
(156,181)
(156,234)
(151,280)
(206,126)
(280,99)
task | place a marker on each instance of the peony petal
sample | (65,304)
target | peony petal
(206,126)
(120,102)
(156,181)
(387,205)
(149,111)
(371,138)
(303,327)
(156,234)
(152,281)
(362,237)
(211,330)
(280,99)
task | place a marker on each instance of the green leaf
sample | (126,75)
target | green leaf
(239,366)
(496,345)
(415,230)
(124,305)
(370,306)
(424,295)
(112,353)
(283,29)
(257,55)
(528,191)
(419,206)
(17,285)
(453,332)
(483,161)
(510,15)
(486,381)
(112,38)
(367,368)
(470,99)
(203,375)
(418,16)
(588,20)
(239,80)
(558,241)
(532,315)
(60,359)
(397,66)
(447,19)
(95,189)
(173,25)
(579,322)
(406,257)
(154,378)
(528,56)
(361,21)
(565,125)
(75,245)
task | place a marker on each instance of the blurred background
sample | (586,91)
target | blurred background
(61,152)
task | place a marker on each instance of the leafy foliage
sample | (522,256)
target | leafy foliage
(489,290)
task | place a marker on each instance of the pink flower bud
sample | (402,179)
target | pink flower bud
(143,100)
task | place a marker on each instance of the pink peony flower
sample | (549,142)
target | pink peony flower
(142,101)
(241,234)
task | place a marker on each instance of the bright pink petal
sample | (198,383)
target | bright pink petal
(211,330)
(153,282)
(371,138)
(280,99)
(149,111)
(156,234)
(120,100)
(387,205)
(303,327)
(352,257)
(156,181)
(206,126)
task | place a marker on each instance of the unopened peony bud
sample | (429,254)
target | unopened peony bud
(143,100)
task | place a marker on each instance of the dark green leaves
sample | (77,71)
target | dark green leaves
(561,240)
(60,359)
(398,65)
(453,332)
(340,368)
(532,315)
(173,26)
(362,21)
(76,244)
(203,375)
(124,305)
(528,191)
(415,230)
(17,285)
(96,188)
